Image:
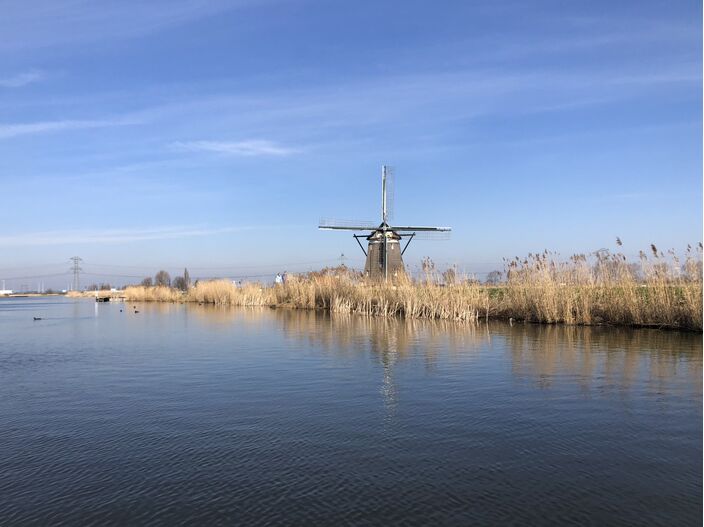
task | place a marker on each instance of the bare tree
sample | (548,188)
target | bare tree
(162,278)
(147,282)
(180,283)
(449,276)
(494,277)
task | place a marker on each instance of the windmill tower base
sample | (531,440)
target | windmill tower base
(374,266)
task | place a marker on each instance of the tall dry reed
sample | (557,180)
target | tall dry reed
(659,290)
(656,291)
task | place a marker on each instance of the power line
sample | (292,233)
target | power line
(234,271)
(64,273)
(114,275)
(219,267)
(24,267)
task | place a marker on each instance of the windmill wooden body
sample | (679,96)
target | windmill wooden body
(384,254)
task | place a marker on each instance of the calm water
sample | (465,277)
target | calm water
(195,415)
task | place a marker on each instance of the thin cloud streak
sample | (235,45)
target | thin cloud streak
(17,129)
(440,94)
(430,96)
(59,22)
(22,79)
(254,147)
(114,236)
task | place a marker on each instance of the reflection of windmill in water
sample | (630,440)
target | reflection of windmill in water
(384,253)
(388,343)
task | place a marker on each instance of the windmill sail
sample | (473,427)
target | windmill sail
(421,229)
(387,193)
(346,225)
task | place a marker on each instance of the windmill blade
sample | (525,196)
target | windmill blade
(390,191)
(346,225)
(433,236)
(341,228)
(422,229)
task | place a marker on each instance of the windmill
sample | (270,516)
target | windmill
(384,253)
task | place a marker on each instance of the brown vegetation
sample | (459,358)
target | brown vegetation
(658,291)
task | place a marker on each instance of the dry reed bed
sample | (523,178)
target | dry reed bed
(658,292)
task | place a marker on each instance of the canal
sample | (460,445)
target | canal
(186,414)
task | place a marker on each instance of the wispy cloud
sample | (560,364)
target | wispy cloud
(421,99)
(253,147)
(42,127)
(634,196)
(22,79)
(113,236)
(57,22)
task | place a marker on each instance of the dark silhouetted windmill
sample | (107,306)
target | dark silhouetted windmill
(384,253)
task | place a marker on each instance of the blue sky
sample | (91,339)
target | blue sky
(214,135)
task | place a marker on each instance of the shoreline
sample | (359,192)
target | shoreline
(669,306)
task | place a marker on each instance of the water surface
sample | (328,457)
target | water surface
(200,415)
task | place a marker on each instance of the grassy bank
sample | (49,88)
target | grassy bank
(658,291)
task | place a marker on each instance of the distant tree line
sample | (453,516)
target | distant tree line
(163,279)
(99,287)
